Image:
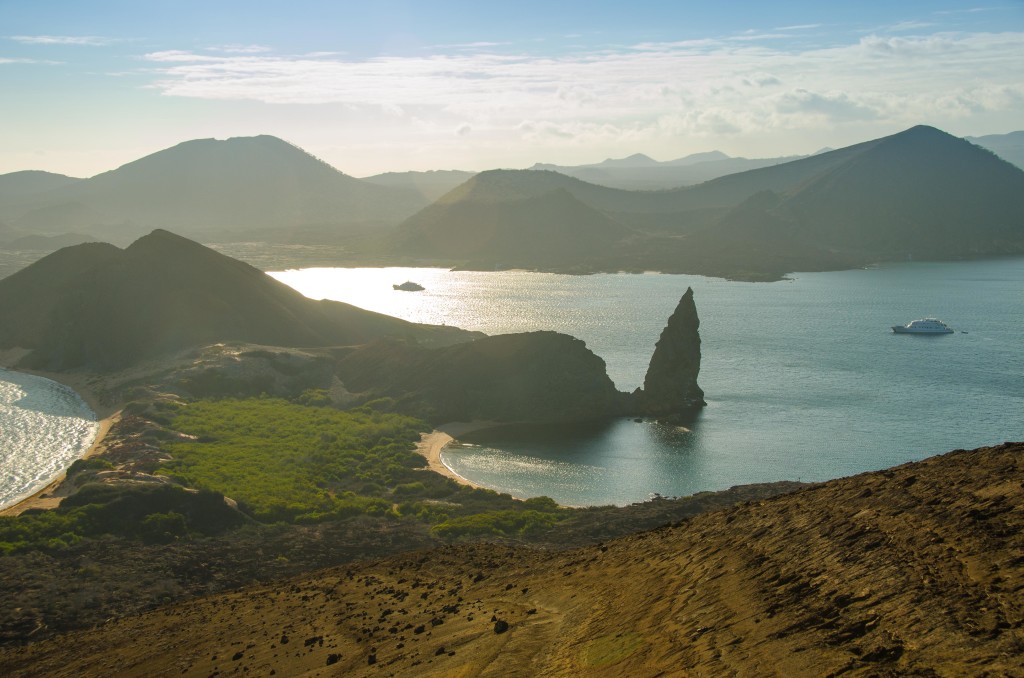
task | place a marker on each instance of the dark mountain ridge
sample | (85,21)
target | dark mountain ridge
(97,306)
(549,229)
(920,193)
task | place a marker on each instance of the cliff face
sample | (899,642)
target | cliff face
(542,377)
(535,377)
(670,387)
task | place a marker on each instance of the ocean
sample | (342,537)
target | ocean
(44,427)
(804,378)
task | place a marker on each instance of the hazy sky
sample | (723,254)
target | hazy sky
(389,85)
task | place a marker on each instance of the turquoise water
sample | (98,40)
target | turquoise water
(804,378)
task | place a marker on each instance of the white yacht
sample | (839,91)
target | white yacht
(923,326)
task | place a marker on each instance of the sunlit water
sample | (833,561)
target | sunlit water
(804,378)
(44,426)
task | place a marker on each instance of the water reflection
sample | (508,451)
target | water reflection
(620,461)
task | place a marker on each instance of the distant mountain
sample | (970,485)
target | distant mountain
(921,193)
(430,185)
(549,229)
(1009,147)
(640,172)
(102,307)
(31,182)
(241,188)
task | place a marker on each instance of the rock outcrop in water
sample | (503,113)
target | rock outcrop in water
(670,387)
(533,377)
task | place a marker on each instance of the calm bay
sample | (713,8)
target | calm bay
(804,378)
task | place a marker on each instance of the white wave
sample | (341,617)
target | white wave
(44,427)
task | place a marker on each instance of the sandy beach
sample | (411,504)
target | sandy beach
(431,445)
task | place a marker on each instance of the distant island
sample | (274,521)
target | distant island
(920,194)
(409,286)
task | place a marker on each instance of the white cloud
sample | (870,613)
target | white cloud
(82,40)
(644,91)
(9,60)
(241,49)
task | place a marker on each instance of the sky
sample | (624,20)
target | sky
(388,85)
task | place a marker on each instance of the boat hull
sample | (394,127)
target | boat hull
(900,329)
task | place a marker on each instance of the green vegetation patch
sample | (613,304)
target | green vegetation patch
(150,513)
(294,463)
(284,462)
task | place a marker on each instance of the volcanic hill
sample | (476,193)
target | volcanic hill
(94,305)
(920,194)
(915,570)
(242,188)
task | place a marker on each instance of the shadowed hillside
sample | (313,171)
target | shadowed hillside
(552,229)
(98,306)
(531,377)
(534,376)
(237,189)
(920,193)
(915,570)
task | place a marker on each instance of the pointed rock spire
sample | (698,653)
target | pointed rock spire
(670,386)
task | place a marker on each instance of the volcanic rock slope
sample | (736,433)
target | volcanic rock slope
(916,570)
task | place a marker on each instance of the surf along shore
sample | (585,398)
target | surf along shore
(51,494)
(432,444)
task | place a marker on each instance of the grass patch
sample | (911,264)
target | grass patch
(285,462)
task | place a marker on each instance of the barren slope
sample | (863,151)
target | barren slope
(914,570)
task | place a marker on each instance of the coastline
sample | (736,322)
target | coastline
(432,444)
(50,495)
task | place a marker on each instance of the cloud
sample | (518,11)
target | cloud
(80,40)
(645,91)
(833,106)
(241,49)
(9,60)
(469,45)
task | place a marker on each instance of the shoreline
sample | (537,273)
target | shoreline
(50,495)
(432,444)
